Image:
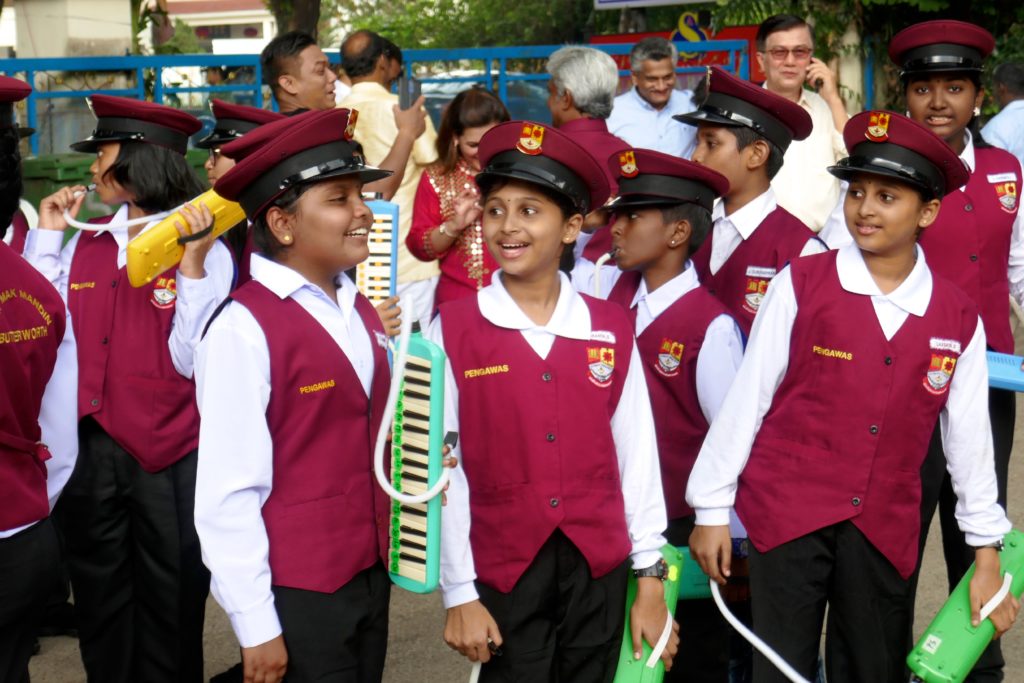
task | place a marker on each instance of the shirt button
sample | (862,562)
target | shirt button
(553,502)
(550,437)
(969,207)
(873,429)
(95,402)
(888,360)
(546,376)
(974,257)
(855,501)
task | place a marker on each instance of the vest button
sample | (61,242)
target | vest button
(546,376)
(95,402)
(855,501)
(888,360)
(969,207)
(113,283)
(553,502)
(974,257)
(873,429)
(550,437)
(104,341)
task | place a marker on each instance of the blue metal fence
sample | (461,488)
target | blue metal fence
(142,70)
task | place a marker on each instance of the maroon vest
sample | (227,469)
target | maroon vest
(19,231)
(969,243)
(743,279)
(668,348)
(537,441)
(849,426)
(326,516)
(31,328)
(126,380)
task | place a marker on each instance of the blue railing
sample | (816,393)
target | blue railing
(151,70)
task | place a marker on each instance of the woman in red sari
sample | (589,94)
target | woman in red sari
(445,214)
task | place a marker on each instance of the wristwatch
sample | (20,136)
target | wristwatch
(658,570)
(998,545)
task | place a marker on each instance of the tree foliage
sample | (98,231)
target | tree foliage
(296,15)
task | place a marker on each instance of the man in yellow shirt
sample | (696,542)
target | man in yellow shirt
(373,63)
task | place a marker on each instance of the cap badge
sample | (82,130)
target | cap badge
(627,164)
(530,139)
(878,127)
(350,127)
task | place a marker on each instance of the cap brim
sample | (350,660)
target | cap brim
(697,117)
(625,201)
(487,177)
(92,143)
(26,132)
(212,141)
(848,173)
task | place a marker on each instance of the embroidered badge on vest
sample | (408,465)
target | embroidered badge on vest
(164,293)
(940,370)
(627,164)
(878,127)
(670,357)
(758,278)
(1007,193)
(601,360)
(530,139)
(382,339)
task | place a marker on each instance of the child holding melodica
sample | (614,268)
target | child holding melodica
(559,492)
(852,359)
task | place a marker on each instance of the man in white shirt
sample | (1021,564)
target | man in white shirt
(643,116)
(1005,130)
(785,49)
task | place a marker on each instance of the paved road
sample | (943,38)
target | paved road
(417,653)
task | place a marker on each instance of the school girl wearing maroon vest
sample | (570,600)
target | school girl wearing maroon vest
(672,381)
(743,279)
(32,325)
(539,430)
(326,517)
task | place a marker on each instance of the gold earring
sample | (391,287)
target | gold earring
(287,239)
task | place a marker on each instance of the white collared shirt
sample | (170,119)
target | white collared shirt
(803,185)
(641,125)
(196,298)
(964,421)
(720,354)
(1005,130)
(235,471)
(837,235)
(728,232)
(632,429)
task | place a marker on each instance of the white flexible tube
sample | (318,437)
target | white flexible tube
(990,606)
(662,643)
(474,674)
(120,225)
(772,656)
(398,369)
(597,271)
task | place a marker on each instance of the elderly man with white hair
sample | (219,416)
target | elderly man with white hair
(643,116)
(580,95)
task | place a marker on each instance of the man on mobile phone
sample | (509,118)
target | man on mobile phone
(785,52)
(374,63)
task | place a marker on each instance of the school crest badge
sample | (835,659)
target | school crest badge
(627,164)
(531,139)
(1007,193)
(601,362)
(350,128)
(670,357)
(878,127)
(940,371)
(164,293)
(758,279)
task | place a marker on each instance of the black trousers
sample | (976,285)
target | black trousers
(937,491)
(133,555)
(869,608)
(29,566)
(339,637)
(704,634)
(558,624)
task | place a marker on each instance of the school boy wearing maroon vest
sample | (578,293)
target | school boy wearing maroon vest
(126,515)
(829,422)
(558,484)
(292,388)
(749,242)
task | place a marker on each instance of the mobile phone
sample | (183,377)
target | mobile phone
(408,91)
